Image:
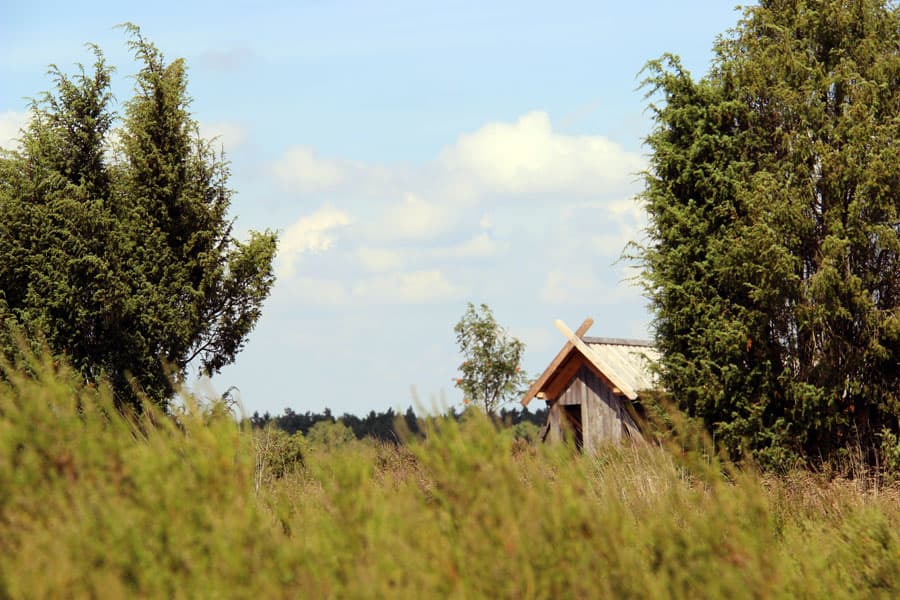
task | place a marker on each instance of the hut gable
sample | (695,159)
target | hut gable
(590,386)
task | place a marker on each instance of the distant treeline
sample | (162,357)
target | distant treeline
(382,425)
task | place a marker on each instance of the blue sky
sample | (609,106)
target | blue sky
(414,156)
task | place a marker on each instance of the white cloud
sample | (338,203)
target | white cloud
(561,287)
(629,208)
(412,287)
(309,235)
(414,219)
(228,134)
(480,246)
(10,124)
(389,259)
(603,228)
(528,157)
(379,259)
(486,206)
(611,245)
(579,284)
(318,292)
(576,284)
(540,339)
(300,166)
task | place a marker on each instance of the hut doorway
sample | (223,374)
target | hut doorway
(574,426)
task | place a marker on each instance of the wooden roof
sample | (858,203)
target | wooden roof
(631,361)
(624,364)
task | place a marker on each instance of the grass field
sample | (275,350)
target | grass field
(94,504)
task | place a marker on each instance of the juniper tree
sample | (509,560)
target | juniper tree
(773,253)
(119,254)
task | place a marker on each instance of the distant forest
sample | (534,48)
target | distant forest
(383,426)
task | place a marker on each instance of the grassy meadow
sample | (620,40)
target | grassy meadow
(97,504)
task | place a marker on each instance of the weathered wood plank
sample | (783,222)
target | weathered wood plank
(617,341)
(563,376)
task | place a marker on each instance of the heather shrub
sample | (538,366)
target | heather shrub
(96,502)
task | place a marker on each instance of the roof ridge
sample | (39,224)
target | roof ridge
(617,341)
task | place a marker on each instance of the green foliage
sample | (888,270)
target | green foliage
(328,434)
(526,431)
(119,254)
(890,453)
(277,454)
(386,426)
(491,374)
(95,502)
(773,261)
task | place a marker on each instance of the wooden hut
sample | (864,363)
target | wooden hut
(590,388)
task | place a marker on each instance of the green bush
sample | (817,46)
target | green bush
(278,453)
(329,434)
(890,453)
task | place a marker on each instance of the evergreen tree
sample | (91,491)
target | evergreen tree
(121,256)
(773,260)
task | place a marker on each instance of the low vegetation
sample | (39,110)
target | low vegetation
(94,502)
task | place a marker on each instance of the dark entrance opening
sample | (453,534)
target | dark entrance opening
(572,413)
